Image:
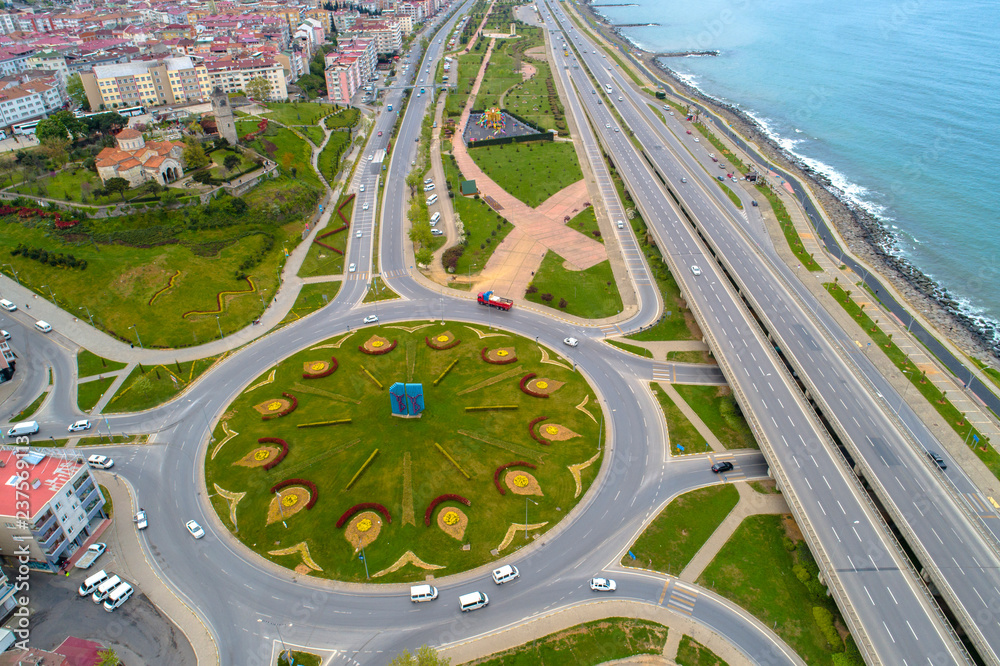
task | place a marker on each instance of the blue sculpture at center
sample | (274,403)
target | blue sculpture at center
(406,400)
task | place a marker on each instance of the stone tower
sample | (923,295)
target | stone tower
(224,116)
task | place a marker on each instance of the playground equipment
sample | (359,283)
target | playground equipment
(493,119)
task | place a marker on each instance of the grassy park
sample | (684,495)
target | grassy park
(88,364)
(150,385)
(531,171)
(591,293)
(345,450)
(681,529)
(88,394)
(718,409)
(321,260)
(484,227)
(280,144)
(297,113)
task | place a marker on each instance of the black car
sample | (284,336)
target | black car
(724,466)
(938,460)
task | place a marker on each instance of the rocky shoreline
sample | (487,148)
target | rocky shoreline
(866,237)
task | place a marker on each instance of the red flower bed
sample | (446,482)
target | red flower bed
(284,412)
(453,343)
(330,233)
(281,456)
(377,352)
(328,247)
(531,431)
(66,224)
(442,498)
(482,355)
(326,373)
(524,386)
(364,506)
(340,210)
(501,468)
(313,493)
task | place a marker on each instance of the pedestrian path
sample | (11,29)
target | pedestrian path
(699,425)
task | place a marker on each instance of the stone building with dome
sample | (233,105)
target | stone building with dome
(138,161)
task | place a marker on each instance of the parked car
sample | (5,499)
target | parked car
(5,334)
(140,520)
(7,305)
(100,462)
(723,466)
(603,585)
(77,426)
(195,529)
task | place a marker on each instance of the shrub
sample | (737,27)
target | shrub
(281,456)
(824,619)
(448,345)
(531,431)
(285,412)
(532,289)
(364,506)
(482,355)
(563,303)
(547,297)
(524,386)
(442,498)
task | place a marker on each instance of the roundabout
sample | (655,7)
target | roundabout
(387,454)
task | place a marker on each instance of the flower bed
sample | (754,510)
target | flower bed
(328,247)
(364,506)
(442,498)
(445,372)
(332,368)
(376,347)
(314,494)
(170,285)
(442,341)
(501,356)
(524,386)
(531,431)
(278,458)
(292,404)
(332,232)
(501,468)
(218,300)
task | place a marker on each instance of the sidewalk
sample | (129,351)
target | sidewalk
(693,417)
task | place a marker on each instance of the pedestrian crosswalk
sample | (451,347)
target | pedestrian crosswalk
(682,598)
(663,372)
(364,276)
(396,273)
(610,329)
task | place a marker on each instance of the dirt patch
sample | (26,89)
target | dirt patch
(258,457)
(287,502)
(453,522)
(363,529)
(792,530)
(522,483)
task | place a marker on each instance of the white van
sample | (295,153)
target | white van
(423,593)
(104,589)
(473,601)
(92,582)
(23,428)
(118,596)
(432,199)
(43,326)
(435,218)
(7,305)
(505,573)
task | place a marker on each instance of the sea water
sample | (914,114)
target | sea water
(897,103)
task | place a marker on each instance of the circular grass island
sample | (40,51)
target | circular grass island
(396,452)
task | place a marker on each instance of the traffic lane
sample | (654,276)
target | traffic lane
(35,353)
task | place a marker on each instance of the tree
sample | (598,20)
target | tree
(50,129)
(231,162)
(74,88)
(108,658)
(426,656)
(116,184)
(7,165)
(258,89)
(194,155)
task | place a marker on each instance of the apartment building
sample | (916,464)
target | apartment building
(14,60)
(18,105)
(147,82)
(388,35)
(49,60)
(64,505)
(233,73)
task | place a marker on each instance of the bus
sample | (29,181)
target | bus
(24,129)
(132,111)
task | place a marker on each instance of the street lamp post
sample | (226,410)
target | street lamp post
(219,323)
(137,336)
(82,307)
(14,273)
(53,296)
(526,500)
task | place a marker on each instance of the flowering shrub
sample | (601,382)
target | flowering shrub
(313,493)
(328,247)
(500,361)
(278,458)
(325,373)
(364,506)
(293,403)
(531,431)
(442,498)
(334,231)
(501,468)
(442,347)
(377,352)
(524,386)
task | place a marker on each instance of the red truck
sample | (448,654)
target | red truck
(494,301)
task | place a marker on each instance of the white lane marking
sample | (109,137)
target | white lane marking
(869,594)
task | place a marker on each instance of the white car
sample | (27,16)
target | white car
(620,99)
(43,326)
(140,520)
(358,234)
(79,425)
(684,180)
(616,129)
(697,140)
(371,157)
(195,529)
(5,334)
(364,206)
(696,270)
(100,462)
(437,232)
(607,125)
(603,585)
(7,305)
(571,342)
(621,224)
(352,268)
(371,319)
(428,188)
(362,188)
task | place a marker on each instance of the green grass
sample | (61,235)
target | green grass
(591,294)
(322,261)
(682,528)
(756,570)
(788,228)
(314,134)
(992,373)
(680,430)
(331,456)
(533,100)
(90,393)
(641,351)
(219,170)
(104,440)
(312,297)
(659,114)
(717,408)
(344,118)
(149,386)
(88,364)
(379,291)
(692,653)
(936,398)
(531,172)
(484,227)
(300,659)
(729,193)
(298,113)
(690,357)
(286,149)
(132,258)
(586,223)
(30,409)
(468,68)
(109,504)
(330,157)
(585,644)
